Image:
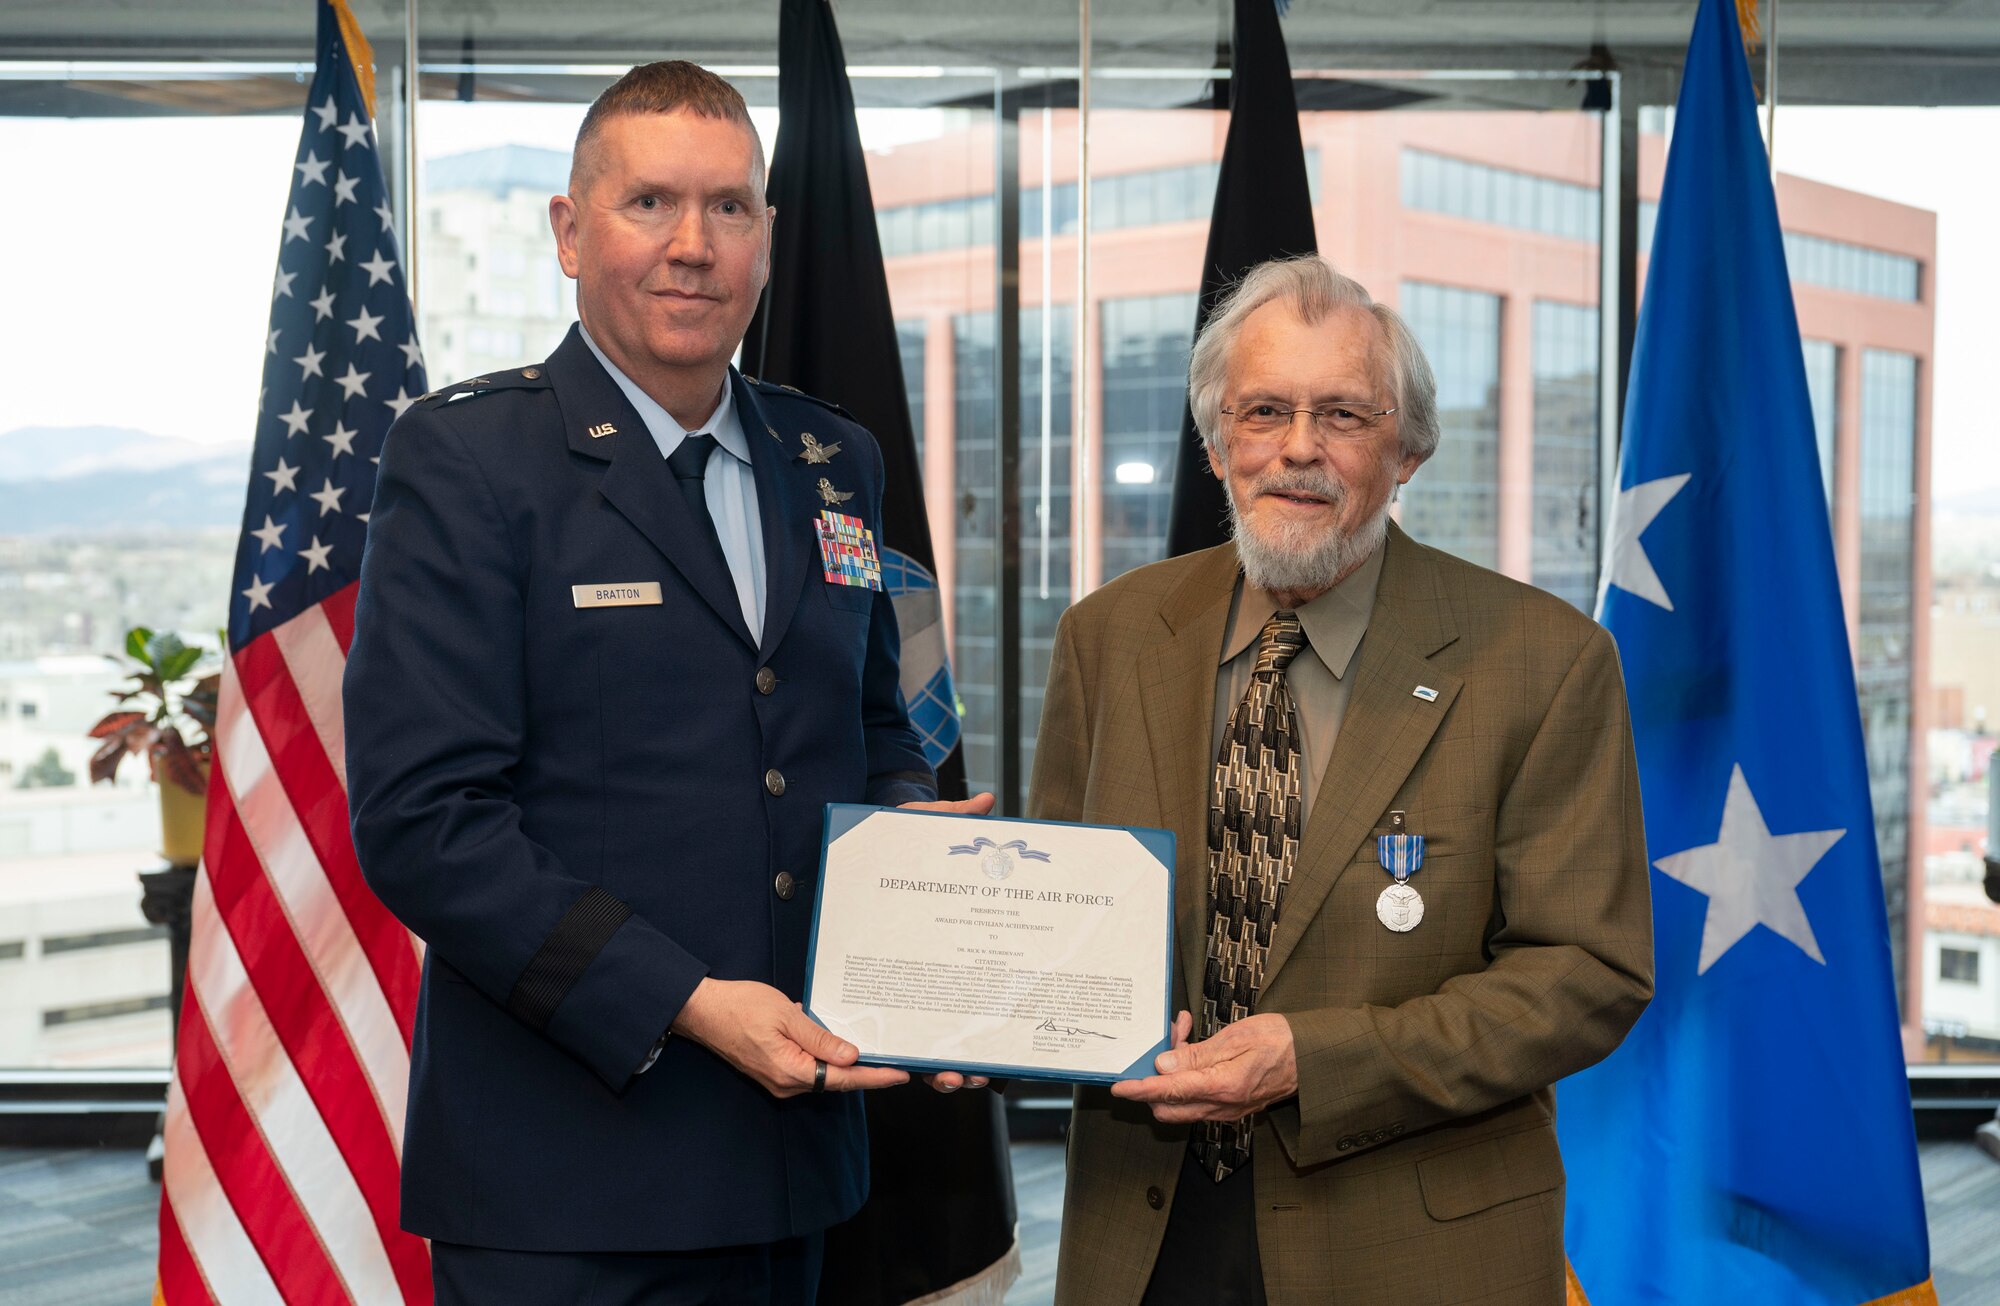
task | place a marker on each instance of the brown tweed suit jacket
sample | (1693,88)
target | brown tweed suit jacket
(1418,1163)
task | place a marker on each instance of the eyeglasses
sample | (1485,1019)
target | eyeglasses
(1261,422)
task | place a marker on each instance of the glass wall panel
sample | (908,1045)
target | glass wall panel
(134,340)
(1888,504)
(1565,350)
(976,535)
(910,341)
(1047,463)
(1146,340)
(1823,386)
(1454,501)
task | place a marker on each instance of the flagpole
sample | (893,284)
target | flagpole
(410,96)
(1771,92)
(1048,331)
(1086,479)
(1610,309)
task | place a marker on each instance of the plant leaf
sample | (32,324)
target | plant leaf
(162,649)
(136,640)
(178,663)
(116,723)
(199,704)
(104,762)
(175,763)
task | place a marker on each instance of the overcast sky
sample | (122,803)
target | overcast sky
(137,273)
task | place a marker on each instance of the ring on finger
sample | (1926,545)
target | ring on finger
(819,1076)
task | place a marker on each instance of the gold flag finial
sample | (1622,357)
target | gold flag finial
(1746,18)
(362,56)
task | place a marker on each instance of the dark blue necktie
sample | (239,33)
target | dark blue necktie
(689,464)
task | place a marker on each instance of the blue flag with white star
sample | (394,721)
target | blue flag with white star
(341,361)
(1751,1141)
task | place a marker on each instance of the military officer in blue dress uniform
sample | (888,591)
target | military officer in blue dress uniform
(621,634)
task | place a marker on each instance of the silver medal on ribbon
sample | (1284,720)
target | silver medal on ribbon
(1400,908)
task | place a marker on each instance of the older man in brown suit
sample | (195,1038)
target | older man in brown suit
(1365,1114)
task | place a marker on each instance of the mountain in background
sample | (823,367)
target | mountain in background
(56,479)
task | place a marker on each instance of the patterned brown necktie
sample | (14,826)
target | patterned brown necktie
(1254,817)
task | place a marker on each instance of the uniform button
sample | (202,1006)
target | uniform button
(774,780)
(784,886)
(531,372)
(767,680)
(1395,1130)
(1155,1198)
(1343,1144)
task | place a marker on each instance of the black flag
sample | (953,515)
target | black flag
(825,327)
(941,1204)
(1263,210)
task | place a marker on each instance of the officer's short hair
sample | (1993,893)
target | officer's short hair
(669,86)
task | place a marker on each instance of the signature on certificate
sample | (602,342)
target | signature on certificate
(1049,1026)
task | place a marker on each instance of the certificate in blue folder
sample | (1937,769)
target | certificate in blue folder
(994,946)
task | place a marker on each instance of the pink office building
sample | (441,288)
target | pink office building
(1483,230)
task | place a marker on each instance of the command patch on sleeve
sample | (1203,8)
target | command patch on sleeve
(847,551)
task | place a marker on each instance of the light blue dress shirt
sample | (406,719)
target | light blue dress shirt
(728,485)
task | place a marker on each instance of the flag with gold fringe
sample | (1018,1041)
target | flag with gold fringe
(285,1111)
(1751,1141)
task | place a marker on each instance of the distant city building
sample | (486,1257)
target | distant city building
(1961,956)
(1965,652)
(491,294)
(84,978)
(50,703)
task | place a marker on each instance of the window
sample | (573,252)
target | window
(1823,388)
(1565,349)
(910,347)
(1501,196)
(1960,965)
(975,665)
(1888,503)
(1453,503)
(1830,264)
(1146,342)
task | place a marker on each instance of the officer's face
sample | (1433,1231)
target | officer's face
(669,242)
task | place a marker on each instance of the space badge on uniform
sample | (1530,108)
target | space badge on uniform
(847,551)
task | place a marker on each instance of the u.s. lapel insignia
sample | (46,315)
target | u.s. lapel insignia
(602,429)
(815,452)
(831,496)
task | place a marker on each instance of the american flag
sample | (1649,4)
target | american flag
(285,1112)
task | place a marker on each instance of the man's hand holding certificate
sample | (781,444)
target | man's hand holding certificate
(989,946)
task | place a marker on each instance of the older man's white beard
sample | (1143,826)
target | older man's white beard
(1296,557)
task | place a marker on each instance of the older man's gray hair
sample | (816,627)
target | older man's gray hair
(1314,289)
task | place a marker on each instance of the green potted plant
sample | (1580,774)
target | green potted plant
(166,713)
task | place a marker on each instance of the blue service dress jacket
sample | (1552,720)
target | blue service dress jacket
(582,810)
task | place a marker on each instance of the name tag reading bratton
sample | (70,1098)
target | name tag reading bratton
(624,594)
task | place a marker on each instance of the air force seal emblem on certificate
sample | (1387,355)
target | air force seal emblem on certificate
(997,859)
(847,551)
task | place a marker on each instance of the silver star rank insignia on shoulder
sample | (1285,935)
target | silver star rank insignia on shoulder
(815,452)
(832,496)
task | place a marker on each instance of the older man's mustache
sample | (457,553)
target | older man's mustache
(1300,481)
